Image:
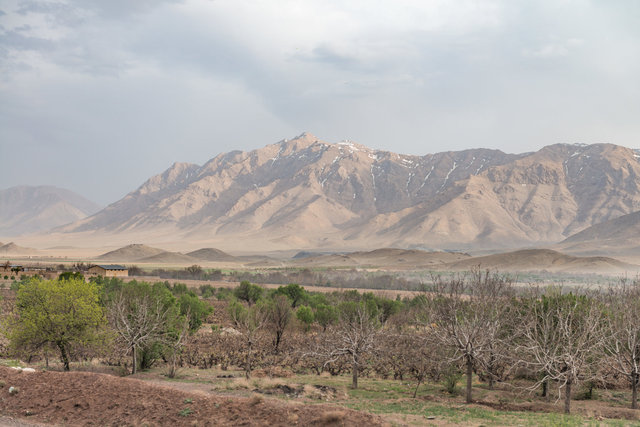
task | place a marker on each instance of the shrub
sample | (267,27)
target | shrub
(450,380)
(207,291)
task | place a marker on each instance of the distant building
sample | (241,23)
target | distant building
(109,270)
(11,268)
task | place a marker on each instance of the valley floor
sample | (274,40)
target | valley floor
(216,397)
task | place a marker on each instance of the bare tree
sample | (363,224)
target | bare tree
(623,333)
(176,342)
(248,322)
(279,316)
(468,314)
(137,322)
(562,337)
(423,356)
(354,336)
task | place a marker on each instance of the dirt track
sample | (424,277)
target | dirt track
(80,398)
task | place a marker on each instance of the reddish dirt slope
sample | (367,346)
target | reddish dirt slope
(79,398)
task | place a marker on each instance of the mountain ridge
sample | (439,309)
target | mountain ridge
(307,193)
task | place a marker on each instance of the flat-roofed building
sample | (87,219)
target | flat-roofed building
(109,270)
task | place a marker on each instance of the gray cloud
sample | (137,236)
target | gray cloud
(140,85)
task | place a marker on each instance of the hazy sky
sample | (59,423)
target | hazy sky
(98,95)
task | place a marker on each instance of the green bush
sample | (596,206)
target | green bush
(450,380)
(198,310)
(305,315)
(207,291)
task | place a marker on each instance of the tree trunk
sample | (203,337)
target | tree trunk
(278,338)
(247,368)
(415,392)
(469,378)
(173,365)
(491,377)
(63,355)
(354,373)
(545,388)
(634,390)
(134,358)
(567,398)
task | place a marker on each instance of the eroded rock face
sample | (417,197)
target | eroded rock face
(308,193)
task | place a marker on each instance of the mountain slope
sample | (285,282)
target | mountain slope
(305,193)
(616,236)
(28,209)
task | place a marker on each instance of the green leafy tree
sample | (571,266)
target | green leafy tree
(195,309)
(61,313)
(248,292)
(305,315)
(68,275)
(325,315)
(296,293)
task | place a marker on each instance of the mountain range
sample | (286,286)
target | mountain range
(307,193)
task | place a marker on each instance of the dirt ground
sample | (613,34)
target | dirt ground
(81,398)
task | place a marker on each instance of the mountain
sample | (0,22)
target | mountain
(28,209)
(13,249)
(543,259)
(617,236)
(306,193)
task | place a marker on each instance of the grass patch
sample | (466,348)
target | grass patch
(393,400)
(185,412)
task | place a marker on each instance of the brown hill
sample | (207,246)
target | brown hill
(166,257)
(211,254)
(306,193)
(385,257)
(130,253)
(543,259)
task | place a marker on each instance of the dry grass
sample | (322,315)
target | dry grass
(332,418)
(256,399)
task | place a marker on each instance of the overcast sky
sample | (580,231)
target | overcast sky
(98,95)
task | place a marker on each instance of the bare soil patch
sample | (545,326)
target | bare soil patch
(80,398)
